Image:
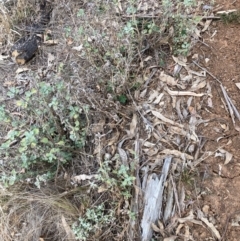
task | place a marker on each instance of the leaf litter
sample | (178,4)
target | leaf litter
(175,127)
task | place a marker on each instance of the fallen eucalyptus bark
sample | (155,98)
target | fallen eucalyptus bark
(153,200)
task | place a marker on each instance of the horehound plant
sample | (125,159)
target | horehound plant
(51,126)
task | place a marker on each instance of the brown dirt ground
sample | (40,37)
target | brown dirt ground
(219,185)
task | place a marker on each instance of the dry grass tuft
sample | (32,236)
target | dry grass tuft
(14,16)
(31,215)
(5,25)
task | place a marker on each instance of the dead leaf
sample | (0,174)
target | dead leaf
(192,72)
(97,150)
(8,83)
(237,128)
(172,238)
(69,233)
(65,177)
(123,156)
(197,33)
(133,125)
(149,144)
(51,42)
(163,118)
(180,60)
(151,152)
(174,100)
(177,69)
(179,227)
(182,132)
(190,218)
(205,209)
(202,158)
(236,221)
(199,84)
(186,78)
(114,139)
(177,153)
(2,57)
(187,236)
(70,41)
(83,177)
(98,127)
(228,156)
(155,228)
(209,90)
(158,99)
(148,58)
(78,48)
(206,60)
(153,95)
(20,70)
(102,188)
(225,127)
(210,103)
(51,59)
(206,25)
(161,226)
(210,225)
(169,80)
(238,85)
(119,6)
(143,93)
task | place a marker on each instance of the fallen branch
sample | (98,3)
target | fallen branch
(231,107)
(183,93)
(226,12)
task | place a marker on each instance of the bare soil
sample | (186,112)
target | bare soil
(218,190)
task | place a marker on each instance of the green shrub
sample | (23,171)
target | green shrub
(178,17)
(94,220)
(119,181)
(48,129)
